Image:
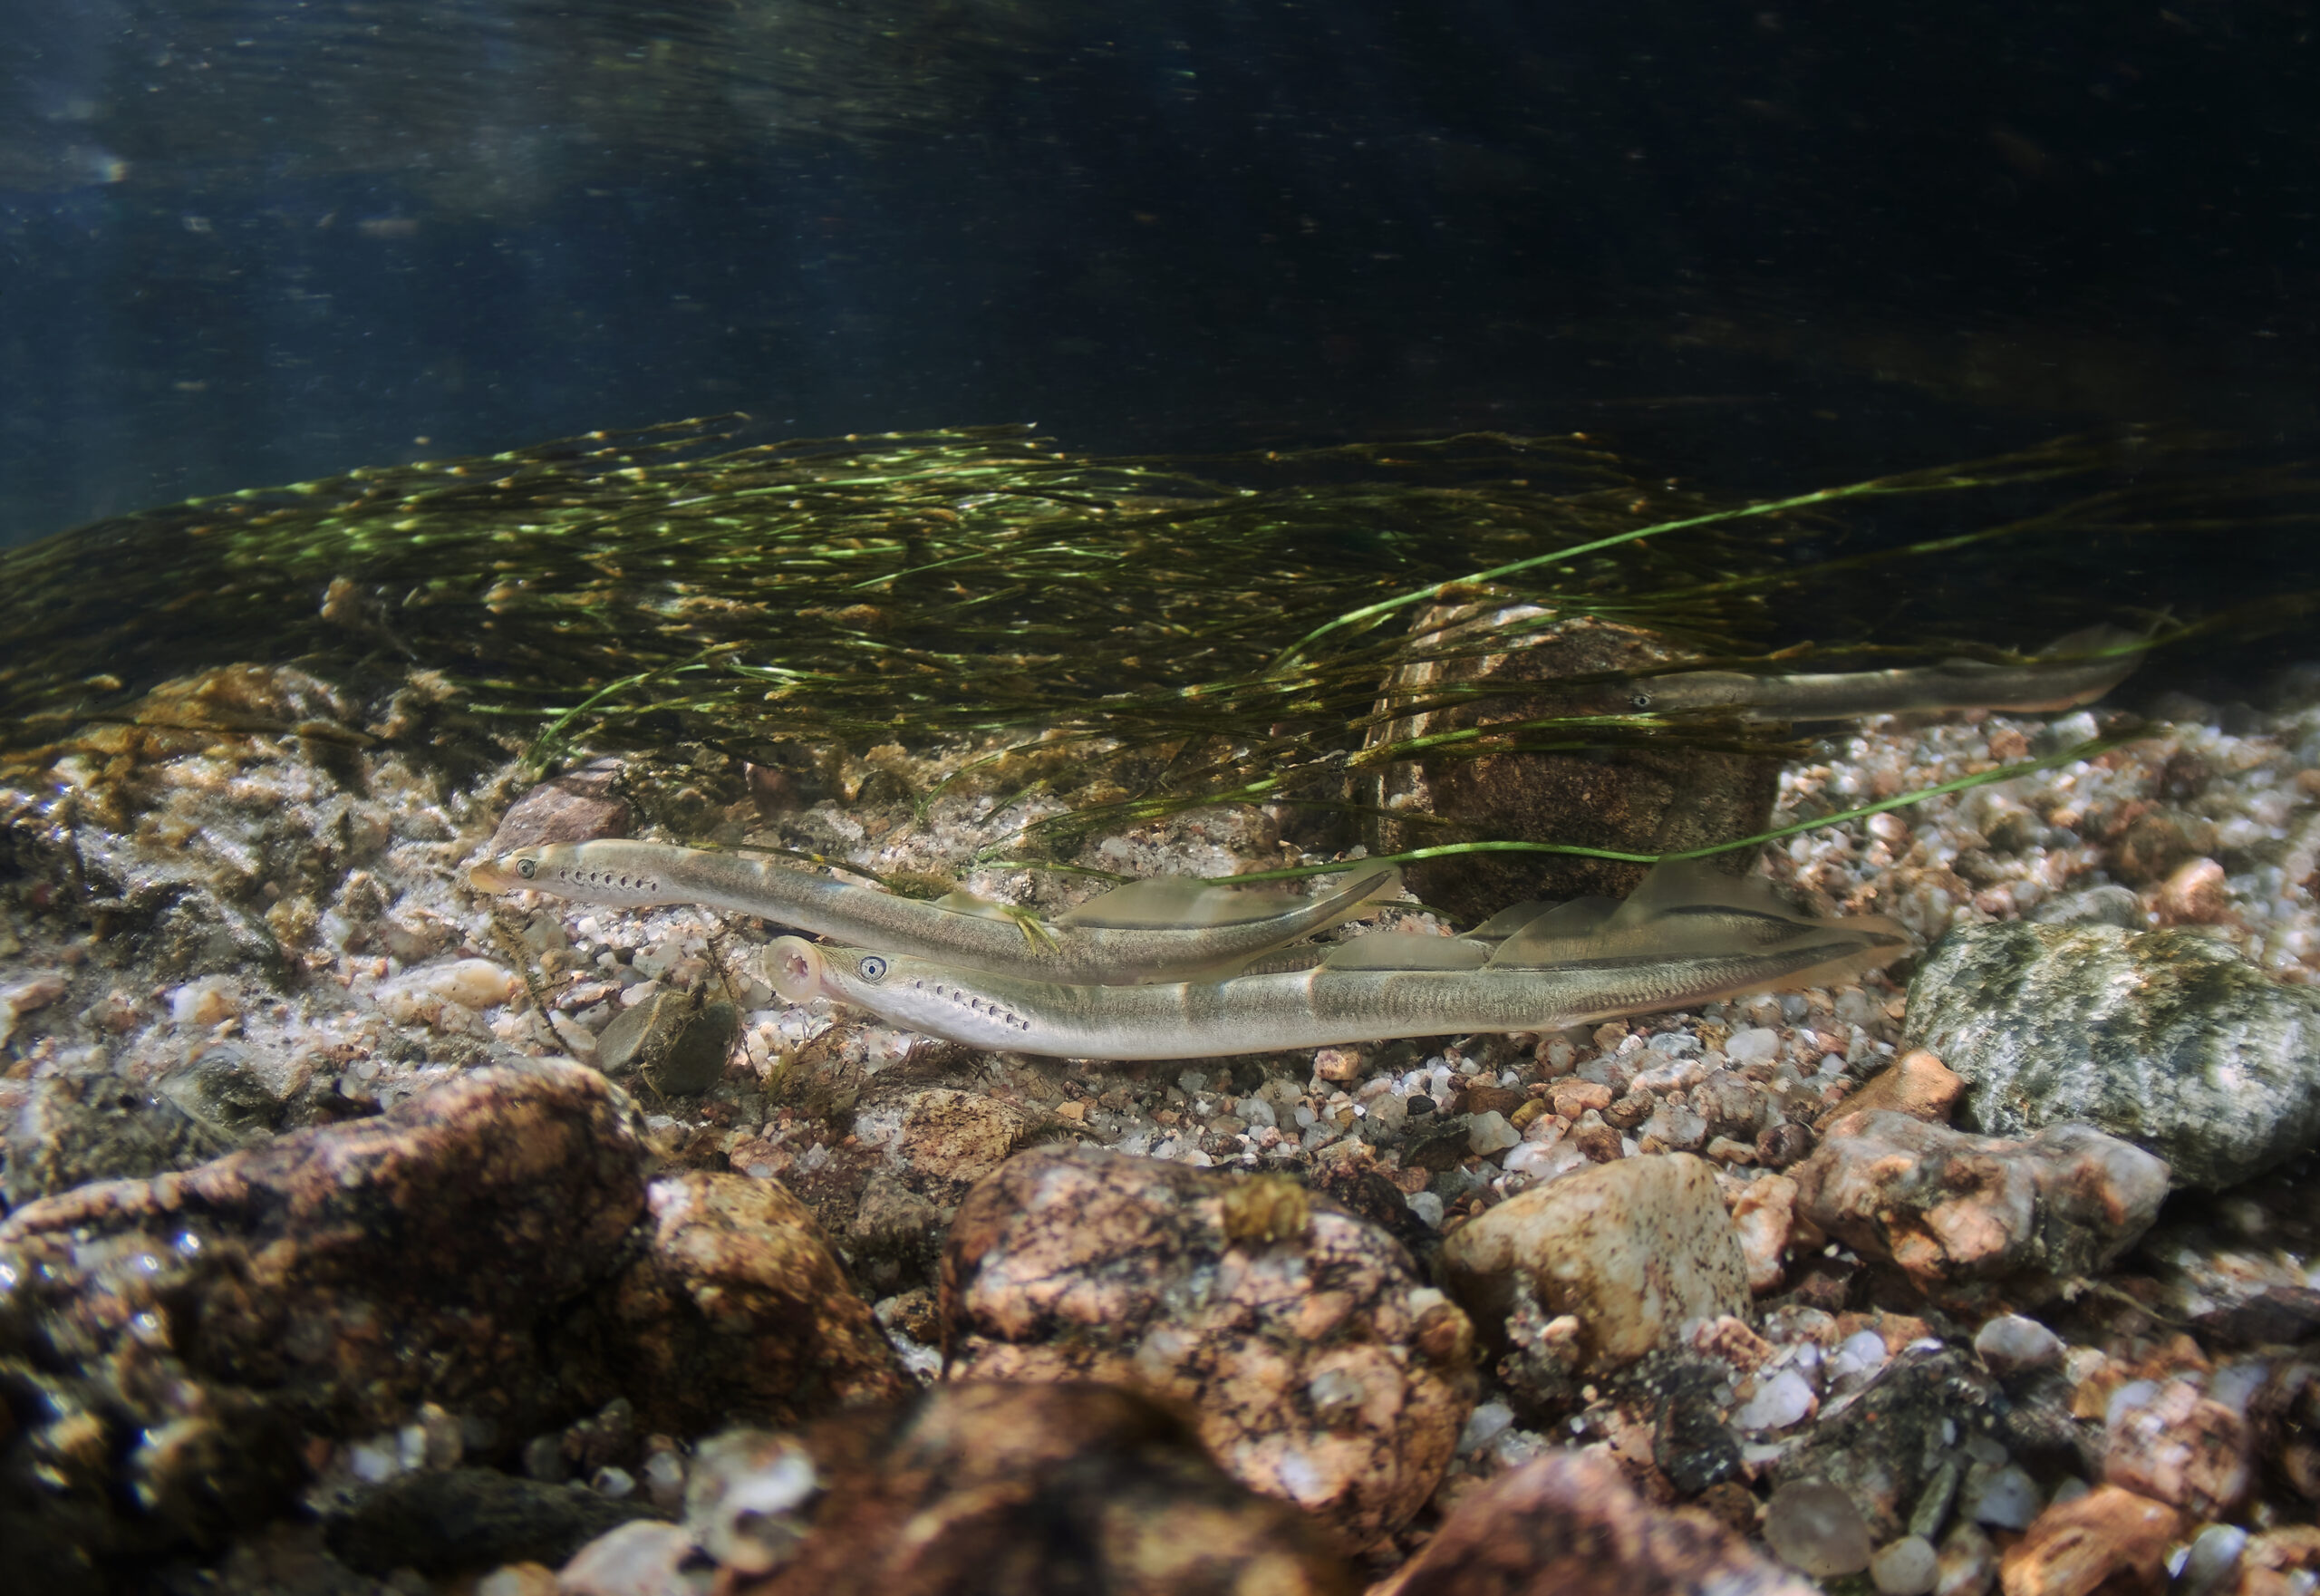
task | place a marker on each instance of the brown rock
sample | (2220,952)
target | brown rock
(2151,849)
(739,1313)
(1916,1084)
(1567,1525)
(1633,800)
(951,1139)
(2194,893)
(1571,1097)
(1632,1249)
(2109,1539)
(579,806)
(1972,1219)
(2179,1446)
(1320,1367)
(1763,1213)
(200,1327)
(982,1487)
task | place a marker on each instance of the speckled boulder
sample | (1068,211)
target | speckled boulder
(1633,1250)
(979,1486)
(2167,1039)
(1567,1525)
(1322,1367)
(1978,1220)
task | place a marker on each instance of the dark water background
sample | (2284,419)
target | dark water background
(1762,246)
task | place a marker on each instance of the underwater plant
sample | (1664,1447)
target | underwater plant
(1162,633)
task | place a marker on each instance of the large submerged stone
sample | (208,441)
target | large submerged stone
(2167,1038)
(1322,1369)
(1632,1250)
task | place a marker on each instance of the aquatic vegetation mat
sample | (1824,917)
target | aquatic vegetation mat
(1213,629)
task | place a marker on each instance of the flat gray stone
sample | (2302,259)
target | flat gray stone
(2169,1040)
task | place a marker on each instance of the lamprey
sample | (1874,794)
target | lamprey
(2073,671)
(1166,929)
(1687,937)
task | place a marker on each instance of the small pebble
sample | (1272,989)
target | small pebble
(2003,1498)
(1755,1044)
(1489,1133)
(2214,1555)
(1427,1208)
(1815,1528)
(1783,1399)
(1968,1562)
(208,1002)
(1484,1425)
(2011,1344)
(1907,1567)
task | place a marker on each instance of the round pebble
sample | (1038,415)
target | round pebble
(1781,1400)
(1813,1527)
(1489,1133)
(2011,1344)
(2003,1498)
(1907,1567)
(2214,1555)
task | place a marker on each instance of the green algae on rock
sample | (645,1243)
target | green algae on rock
(2166,1038)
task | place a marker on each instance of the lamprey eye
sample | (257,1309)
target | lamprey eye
(873,967)
(1641,701)
(527,868)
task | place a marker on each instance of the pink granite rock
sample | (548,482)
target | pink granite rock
(1979,1219)
(1322,1367)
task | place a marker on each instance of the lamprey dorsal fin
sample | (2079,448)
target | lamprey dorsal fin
(1394,950)
(1179,903)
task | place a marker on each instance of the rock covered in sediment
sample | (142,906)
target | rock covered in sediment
(1885,1446)
(1973,1218)
(1641,800)
(738,1311)
(465,1520)
(982,1485)
(1567,1523)
(579,806)
(192,1337)
(1322,1369)
(2167,1039)
(1633,1250)
(210,1320)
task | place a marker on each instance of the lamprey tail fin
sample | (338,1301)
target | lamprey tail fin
(1689,910)
(1392,950)
(1875,941)
(1175,902)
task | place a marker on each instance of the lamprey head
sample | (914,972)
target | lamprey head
(800,970)
(509,872)
(794,967)
(578,870)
